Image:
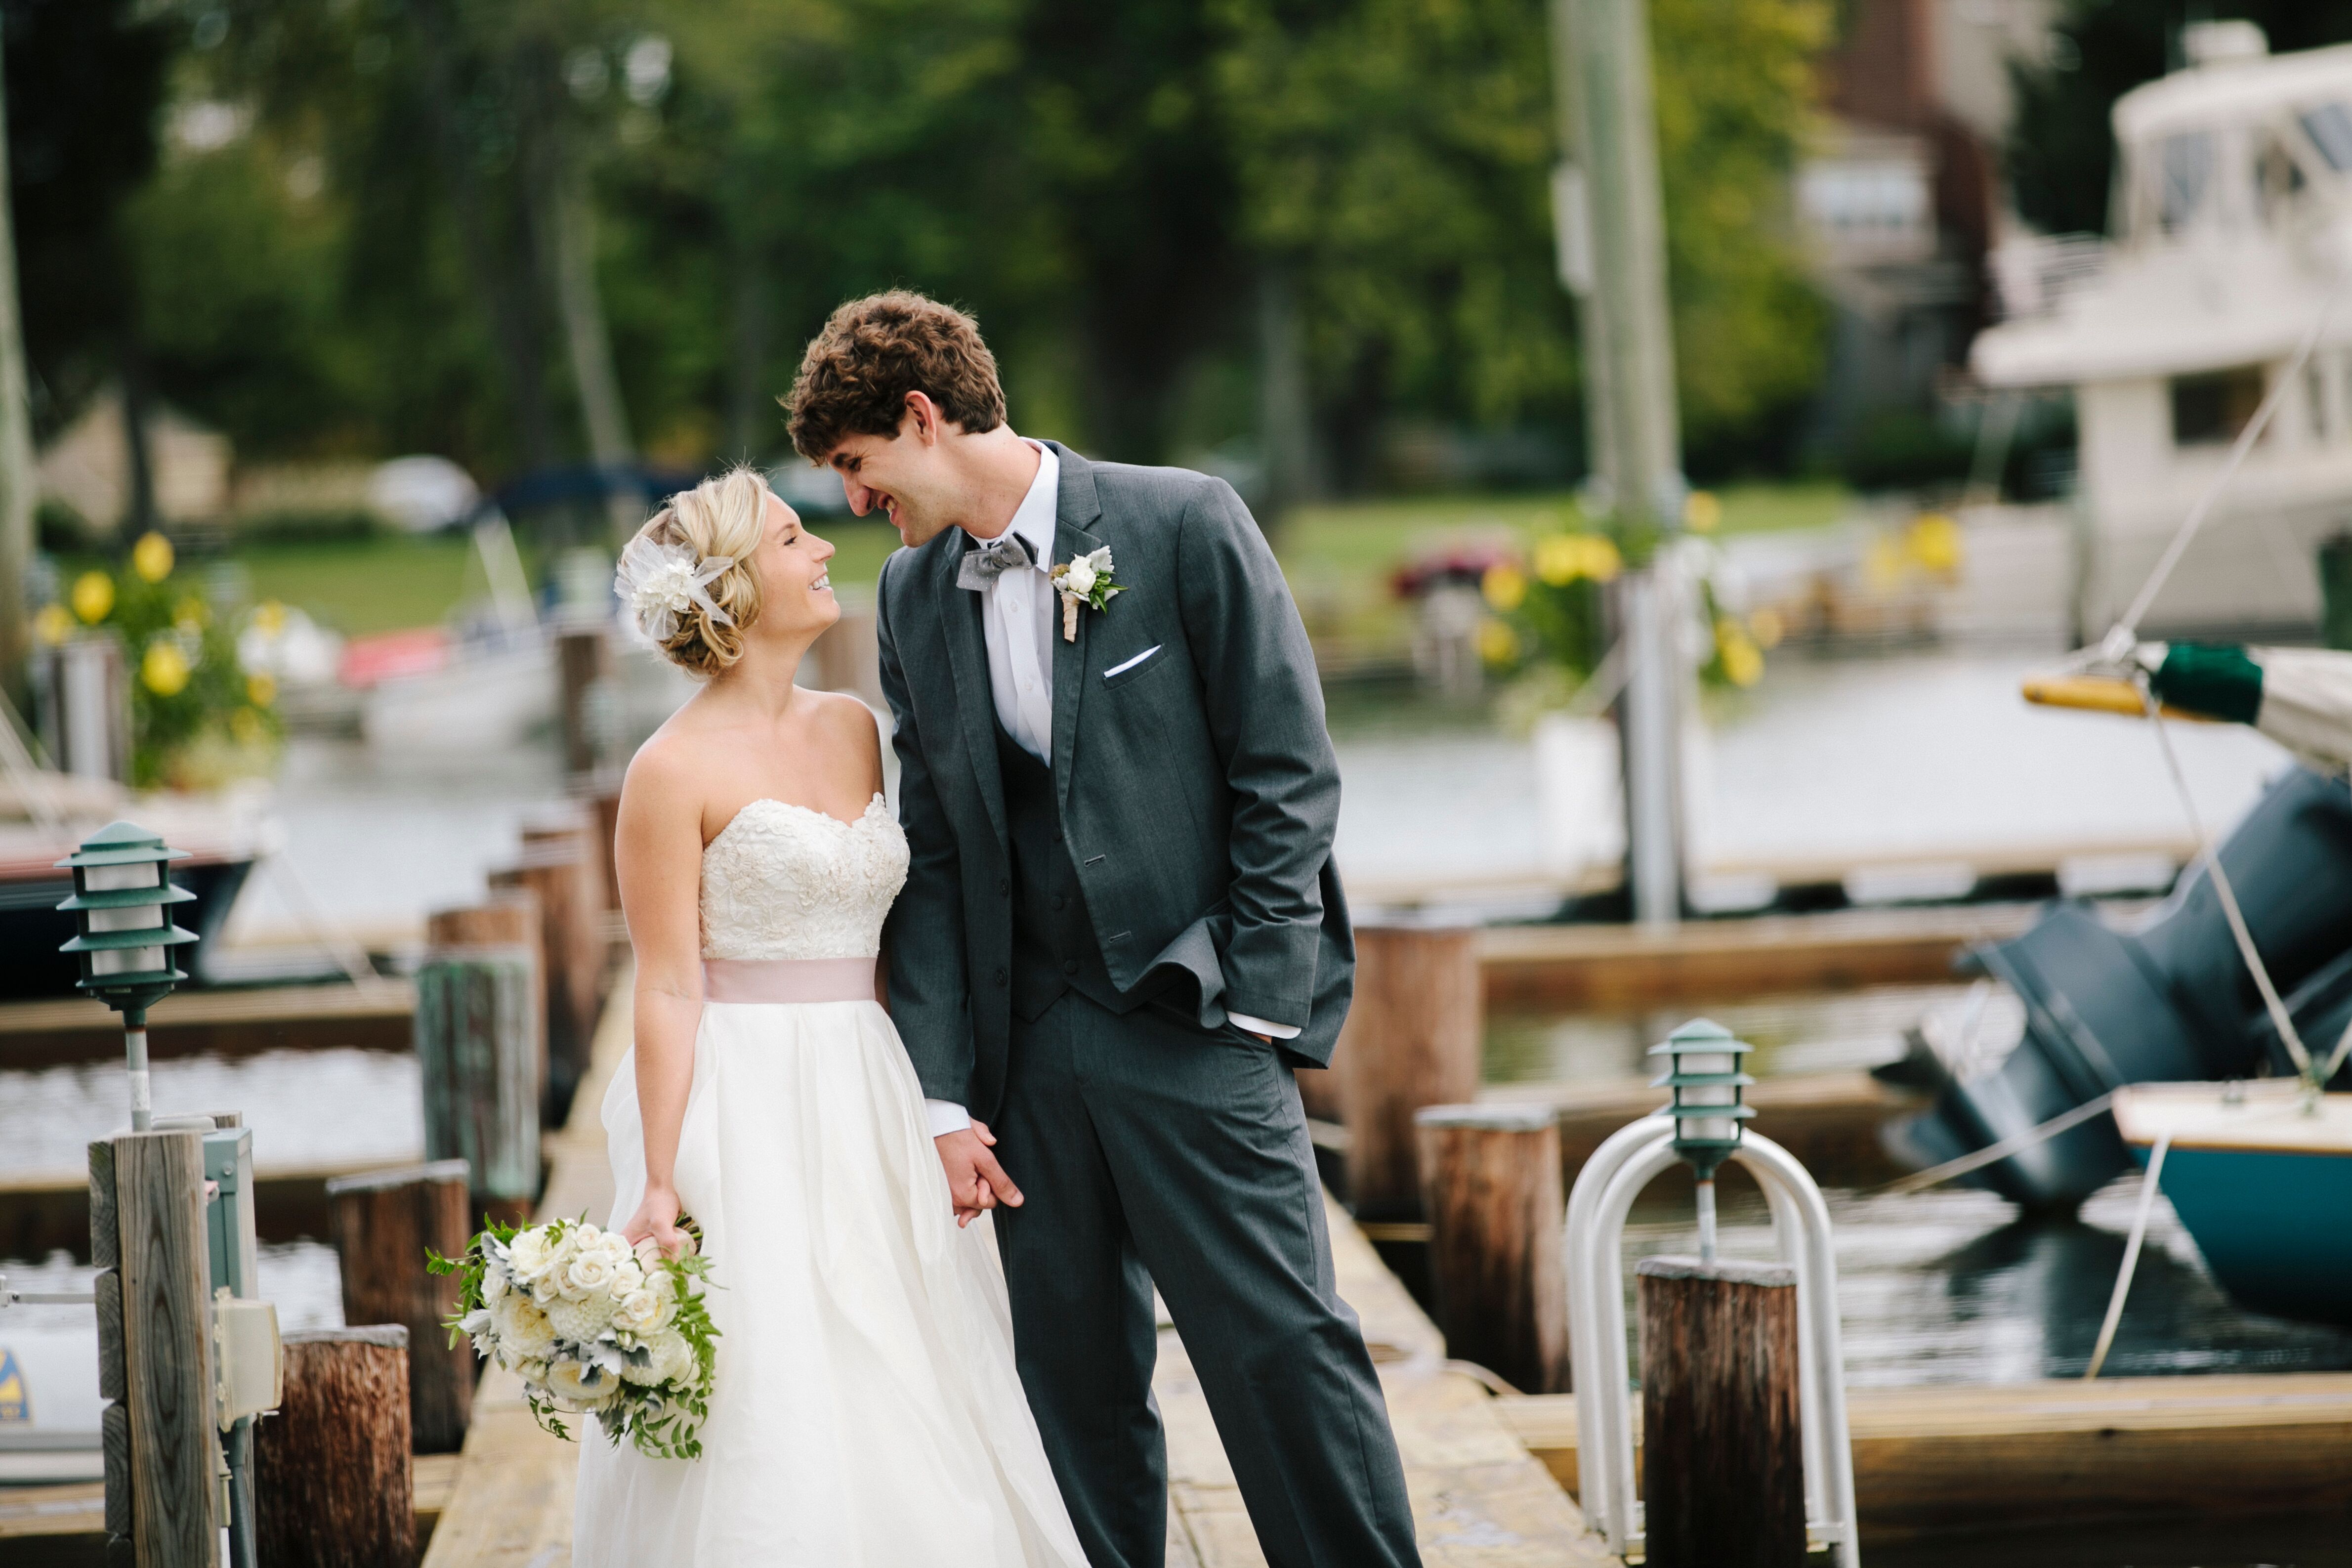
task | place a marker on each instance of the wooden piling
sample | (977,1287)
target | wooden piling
(154,1324)
(1491,1186)
(1722,1456)
(476,1032)
(556,866)
(510,918)
(584,659)
(1412,1039)
(383,1224)
(332,1487)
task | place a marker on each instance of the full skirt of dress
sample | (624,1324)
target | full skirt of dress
(867,1411)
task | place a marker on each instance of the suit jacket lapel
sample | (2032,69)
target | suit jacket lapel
(975,702)
(1074,507)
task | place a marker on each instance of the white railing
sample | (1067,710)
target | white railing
(1605,1194)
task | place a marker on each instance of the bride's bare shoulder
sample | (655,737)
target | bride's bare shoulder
(664,773)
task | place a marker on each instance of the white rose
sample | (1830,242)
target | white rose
(628,1279)
(1080,578)
(531,1253)
(640,1312)
(590,1273)
(524,1331)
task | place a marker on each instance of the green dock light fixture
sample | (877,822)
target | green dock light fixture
(122,902)
(1708,1105)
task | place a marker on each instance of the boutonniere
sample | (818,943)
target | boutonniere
(1085,580)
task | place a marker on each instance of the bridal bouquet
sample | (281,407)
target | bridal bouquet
(593,1328)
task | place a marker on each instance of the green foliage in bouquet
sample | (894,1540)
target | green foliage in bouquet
(591,1330)
(196,716)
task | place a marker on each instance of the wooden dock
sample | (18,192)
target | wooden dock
(48,1210)
(236,1022)
(1568,968)
(67,1523)
(1480,1498)
(1938,1461)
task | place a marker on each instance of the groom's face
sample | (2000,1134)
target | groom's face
(906,476)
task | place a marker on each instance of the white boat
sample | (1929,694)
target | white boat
(2233,217)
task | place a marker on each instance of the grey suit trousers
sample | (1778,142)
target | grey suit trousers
(1150,1151)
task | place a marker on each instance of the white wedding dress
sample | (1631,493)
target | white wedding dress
(866,1413)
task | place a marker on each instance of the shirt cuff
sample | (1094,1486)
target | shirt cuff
(945,1117)
(1260,1027)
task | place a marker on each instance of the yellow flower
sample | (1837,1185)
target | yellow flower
(1934,542)
(1602,562)
(1561,558)
(1497,643)
(269,615)
(93,595)
(245,726)
(190,612)
(152,557)
(53,625)
(165,668)
(1765,627)
(1743,663)
(1505,585)
(262,689)
(1701,513)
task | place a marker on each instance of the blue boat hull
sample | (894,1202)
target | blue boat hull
(2275,1227)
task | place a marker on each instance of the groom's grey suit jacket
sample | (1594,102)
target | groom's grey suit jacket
(1196,785)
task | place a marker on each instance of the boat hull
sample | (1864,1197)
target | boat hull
(32,927)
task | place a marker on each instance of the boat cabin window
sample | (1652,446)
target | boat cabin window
(2330,129)
(2211,409)
(2279,179)
(2184,178)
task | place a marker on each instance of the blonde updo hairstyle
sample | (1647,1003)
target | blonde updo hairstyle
(723,516)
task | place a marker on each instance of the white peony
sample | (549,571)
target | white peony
(584,1386)
(641,1311)
(524,1332)
(671,1357)
(533,1255)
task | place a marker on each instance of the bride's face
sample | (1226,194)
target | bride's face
(795,589)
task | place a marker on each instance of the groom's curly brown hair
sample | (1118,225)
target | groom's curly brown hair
(855,378)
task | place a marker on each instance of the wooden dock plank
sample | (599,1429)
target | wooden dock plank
(230,1022)
(1931,1459)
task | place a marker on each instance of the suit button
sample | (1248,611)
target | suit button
(1003,885)
(1069,966)
(1059,901)
(1001,977)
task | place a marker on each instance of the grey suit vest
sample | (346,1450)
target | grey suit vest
(1054,947)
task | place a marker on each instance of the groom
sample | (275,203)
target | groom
(1120,928)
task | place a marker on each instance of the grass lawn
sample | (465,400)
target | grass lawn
(1337,556)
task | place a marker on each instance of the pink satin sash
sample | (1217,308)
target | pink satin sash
(759,980)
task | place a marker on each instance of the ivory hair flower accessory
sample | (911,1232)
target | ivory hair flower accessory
(660,582)
(1085,580)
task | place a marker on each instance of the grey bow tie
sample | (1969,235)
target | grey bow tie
(984,563)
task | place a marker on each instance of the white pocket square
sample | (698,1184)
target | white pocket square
(1122,667)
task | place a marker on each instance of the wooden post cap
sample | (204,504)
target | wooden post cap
(391,1336)
(1488,1118)
(1728,1271)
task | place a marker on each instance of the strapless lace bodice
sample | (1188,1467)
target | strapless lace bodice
(784,881)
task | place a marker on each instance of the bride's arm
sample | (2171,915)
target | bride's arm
(658,853)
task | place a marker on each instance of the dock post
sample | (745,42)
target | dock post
(556,866)
(1412,1039)
(1722,1443)
(163,1464)
(333,1489)
(1491,1184)
(508,918)
(476,1028)
(382,1224)
(587,700)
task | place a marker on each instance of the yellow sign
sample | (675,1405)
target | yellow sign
(15,1404)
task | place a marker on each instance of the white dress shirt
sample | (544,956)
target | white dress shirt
(1019,618)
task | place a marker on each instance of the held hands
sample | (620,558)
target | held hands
(655,1224)
(975,1181)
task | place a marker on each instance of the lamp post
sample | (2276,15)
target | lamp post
(1708,1107)
(122,904)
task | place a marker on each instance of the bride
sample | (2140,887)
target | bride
(867,1409)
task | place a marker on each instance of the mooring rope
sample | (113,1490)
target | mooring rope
(2131,1258)
(1993,1153)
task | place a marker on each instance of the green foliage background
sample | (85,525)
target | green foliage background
(1109,188)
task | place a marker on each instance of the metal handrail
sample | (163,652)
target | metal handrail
(1602,1197)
